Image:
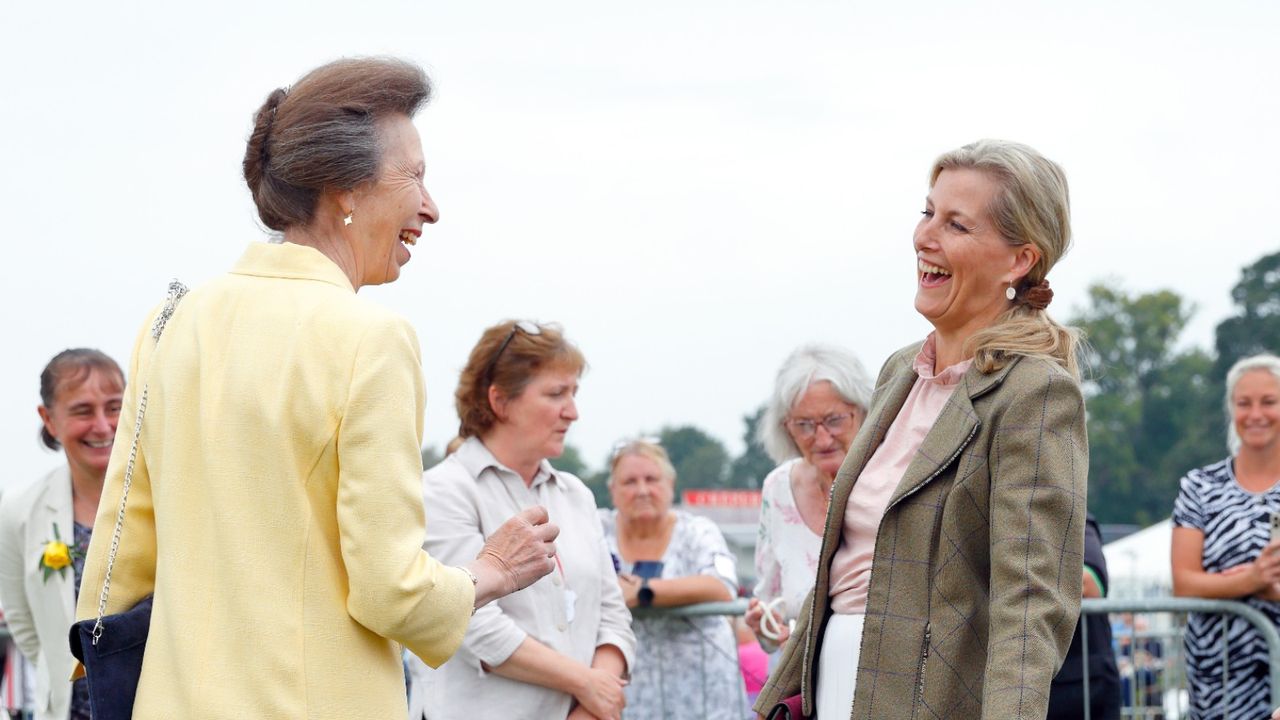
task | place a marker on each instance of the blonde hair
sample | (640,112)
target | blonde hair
(1033,207)
(1266,362)
(644,449)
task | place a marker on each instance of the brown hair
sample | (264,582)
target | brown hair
(322,133)
(1033,206)
(66,370)
(509,366)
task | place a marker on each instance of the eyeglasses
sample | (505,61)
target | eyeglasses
(529,328)
(805,428)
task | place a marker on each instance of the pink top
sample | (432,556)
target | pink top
(851,565)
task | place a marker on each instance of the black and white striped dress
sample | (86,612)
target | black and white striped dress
(1236,526)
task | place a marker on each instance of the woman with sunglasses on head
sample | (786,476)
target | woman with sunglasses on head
(819,400)
(561,647)
(686,668)
(949,579)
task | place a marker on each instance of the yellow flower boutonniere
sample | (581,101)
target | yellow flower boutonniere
(57,556)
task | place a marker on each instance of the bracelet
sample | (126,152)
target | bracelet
(475,582)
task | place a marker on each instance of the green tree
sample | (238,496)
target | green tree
(749,468)
(598,482)
(1255,327)
(1151,406)
(700,460)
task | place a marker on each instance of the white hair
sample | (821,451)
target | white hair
(805,366)
(1265,361)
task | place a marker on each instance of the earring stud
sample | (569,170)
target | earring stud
(1010,293)
(346,219)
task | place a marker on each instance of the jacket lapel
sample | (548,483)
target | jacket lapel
(873,431)
(59,591)
(954,428)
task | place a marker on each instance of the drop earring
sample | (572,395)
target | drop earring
(346,219)
(1010,293)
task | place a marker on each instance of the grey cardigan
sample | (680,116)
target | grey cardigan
(975,583)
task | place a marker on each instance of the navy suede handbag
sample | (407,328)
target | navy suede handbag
(113,660)
(111,647)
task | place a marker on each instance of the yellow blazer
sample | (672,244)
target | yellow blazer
(275,508)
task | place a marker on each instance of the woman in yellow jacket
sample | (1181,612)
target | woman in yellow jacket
(275,509)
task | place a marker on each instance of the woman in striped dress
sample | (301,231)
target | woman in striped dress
(1222,548)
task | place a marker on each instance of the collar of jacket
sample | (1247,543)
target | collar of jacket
(291,261)
(955,426)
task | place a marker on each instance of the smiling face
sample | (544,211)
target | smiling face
(640,489)
(818,407)
(83,418)
(1255,411)
(963,264)
(388,214)
(540,416)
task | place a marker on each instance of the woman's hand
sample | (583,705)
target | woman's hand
(600,693)
(516,555)
(630,585)
(755,619)
(579,713)
(1263,572)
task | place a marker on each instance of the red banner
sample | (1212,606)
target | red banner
(721,498)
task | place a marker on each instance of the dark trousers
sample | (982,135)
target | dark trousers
(1066,699)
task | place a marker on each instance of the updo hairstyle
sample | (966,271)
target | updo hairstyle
(322,134)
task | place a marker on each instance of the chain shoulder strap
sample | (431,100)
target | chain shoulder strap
(176,291)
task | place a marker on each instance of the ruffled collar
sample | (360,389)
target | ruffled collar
(928,356)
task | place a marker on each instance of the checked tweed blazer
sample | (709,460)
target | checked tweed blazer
(975,584)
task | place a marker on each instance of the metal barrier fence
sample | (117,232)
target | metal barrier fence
(1153,666)
(1152,660)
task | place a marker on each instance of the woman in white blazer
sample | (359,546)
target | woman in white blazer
(45,527)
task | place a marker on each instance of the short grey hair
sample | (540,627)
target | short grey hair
(805,366)
(1265,361)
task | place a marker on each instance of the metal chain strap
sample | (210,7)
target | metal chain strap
(176,291)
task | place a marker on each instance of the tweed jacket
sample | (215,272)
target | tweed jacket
(975,582)
(39,611)
(275,509)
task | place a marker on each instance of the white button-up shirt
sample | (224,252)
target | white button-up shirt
(574,610)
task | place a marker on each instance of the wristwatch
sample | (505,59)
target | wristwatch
(644,596)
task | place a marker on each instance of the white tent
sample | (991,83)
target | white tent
(1139,564)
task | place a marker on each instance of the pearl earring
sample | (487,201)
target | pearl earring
(1010,293)
(346,219)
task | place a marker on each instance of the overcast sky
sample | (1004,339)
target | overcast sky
(691,188)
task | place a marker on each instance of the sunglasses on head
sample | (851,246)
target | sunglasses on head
(525,326)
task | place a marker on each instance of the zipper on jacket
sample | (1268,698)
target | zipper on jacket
(973,431)
(924,661)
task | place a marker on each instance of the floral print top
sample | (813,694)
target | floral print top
(786,549)
(686,668)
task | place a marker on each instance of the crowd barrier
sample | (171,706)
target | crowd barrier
(1149,653)
(1152,660)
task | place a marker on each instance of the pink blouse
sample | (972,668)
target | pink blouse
(851,565)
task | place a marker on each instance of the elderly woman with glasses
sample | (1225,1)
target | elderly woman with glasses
(818,403)
(685,667)
(561,647)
